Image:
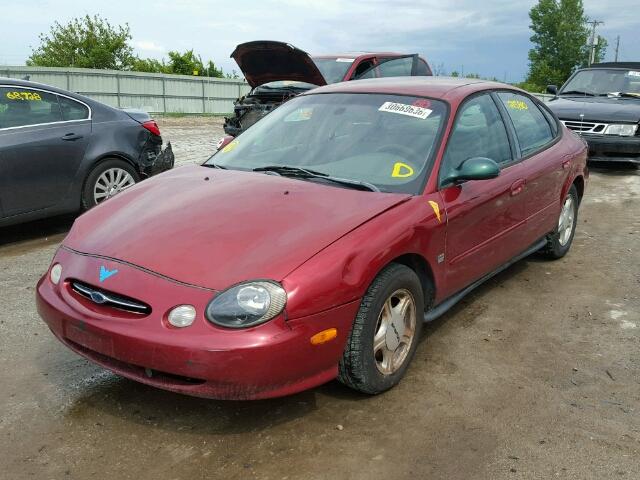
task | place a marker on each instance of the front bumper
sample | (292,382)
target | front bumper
(270,360)
(609,148)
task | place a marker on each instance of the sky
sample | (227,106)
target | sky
(488,37)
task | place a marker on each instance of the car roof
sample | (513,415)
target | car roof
(422,86)
(29,84)
(622,65)
(355,55)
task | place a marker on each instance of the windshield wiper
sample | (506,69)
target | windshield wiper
(214,165)
(290,171)
(577,92)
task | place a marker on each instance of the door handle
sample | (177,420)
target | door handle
(71,137)
(517,187)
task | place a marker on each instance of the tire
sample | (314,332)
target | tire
(559,241)
(115,174)
(362,368)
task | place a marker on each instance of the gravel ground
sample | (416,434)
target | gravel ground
(535,375)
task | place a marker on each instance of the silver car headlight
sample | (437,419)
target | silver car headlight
(621,130)
(247,304)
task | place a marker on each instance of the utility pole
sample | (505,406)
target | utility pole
(592,53)
(617,47)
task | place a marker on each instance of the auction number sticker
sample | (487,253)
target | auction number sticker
(31,96)
(404,109)
(633,73)
(517,105)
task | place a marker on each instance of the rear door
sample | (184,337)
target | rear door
(543,160)
(484,217)
(43,137)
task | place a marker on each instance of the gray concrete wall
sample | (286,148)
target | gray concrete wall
(153,92)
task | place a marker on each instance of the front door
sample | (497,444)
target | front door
(484,217)
(42,142)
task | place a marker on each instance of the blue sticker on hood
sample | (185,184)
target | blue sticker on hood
(104,273)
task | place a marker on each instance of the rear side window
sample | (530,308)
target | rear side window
(21,107)
(532,128)
(72,110)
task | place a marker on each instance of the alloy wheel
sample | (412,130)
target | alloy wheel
(110,183)
(394,332)
(565,222)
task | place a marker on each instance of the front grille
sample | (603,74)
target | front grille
(584,127)
(110,299)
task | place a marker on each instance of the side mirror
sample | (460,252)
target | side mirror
(224,141)
(477,168)
(552,89)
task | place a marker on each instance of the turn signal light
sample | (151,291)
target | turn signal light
(324,336)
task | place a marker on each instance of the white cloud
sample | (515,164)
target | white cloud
(147,46)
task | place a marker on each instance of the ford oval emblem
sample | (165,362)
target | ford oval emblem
(98,297)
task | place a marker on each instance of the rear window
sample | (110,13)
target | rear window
(72,110)
(333,69)
(23,106)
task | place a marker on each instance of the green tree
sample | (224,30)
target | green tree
(559,41)
(86,42)
(150,65)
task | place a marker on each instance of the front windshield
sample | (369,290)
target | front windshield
(385,140)
(333,69)
(602,81)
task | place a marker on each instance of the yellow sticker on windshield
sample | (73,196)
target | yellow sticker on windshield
(230,147)
(30,96)
(401,170)
(436,209)
(517,105)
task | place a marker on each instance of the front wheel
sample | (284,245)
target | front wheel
(385,332)
(559,241)
(107,179)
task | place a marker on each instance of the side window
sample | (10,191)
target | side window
(362,68)
(72,110)
(422,69)
(22,106)
(478,132)
(398,67)
(532,128)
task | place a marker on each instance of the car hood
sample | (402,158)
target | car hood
(214,228)
(267,61)
(597,109)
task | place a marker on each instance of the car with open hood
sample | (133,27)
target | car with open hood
(315,245)
(602,104)
(278,71)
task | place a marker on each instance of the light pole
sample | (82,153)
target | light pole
(592,53)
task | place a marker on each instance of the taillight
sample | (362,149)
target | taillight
(152,126)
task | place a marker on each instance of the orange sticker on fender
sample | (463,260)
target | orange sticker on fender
(436,209)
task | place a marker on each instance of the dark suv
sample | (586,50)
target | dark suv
(602,103)
(61,152)
(278,71)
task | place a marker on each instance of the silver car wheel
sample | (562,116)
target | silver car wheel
(394,332)
(565,222)
(110,183)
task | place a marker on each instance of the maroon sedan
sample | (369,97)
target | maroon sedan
(314,245)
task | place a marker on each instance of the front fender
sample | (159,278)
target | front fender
(343,271)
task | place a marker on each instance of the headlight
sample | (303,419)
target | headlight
(622,130)
(247,304)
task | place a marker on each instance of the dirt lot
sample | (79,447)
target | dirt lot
(536,375)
